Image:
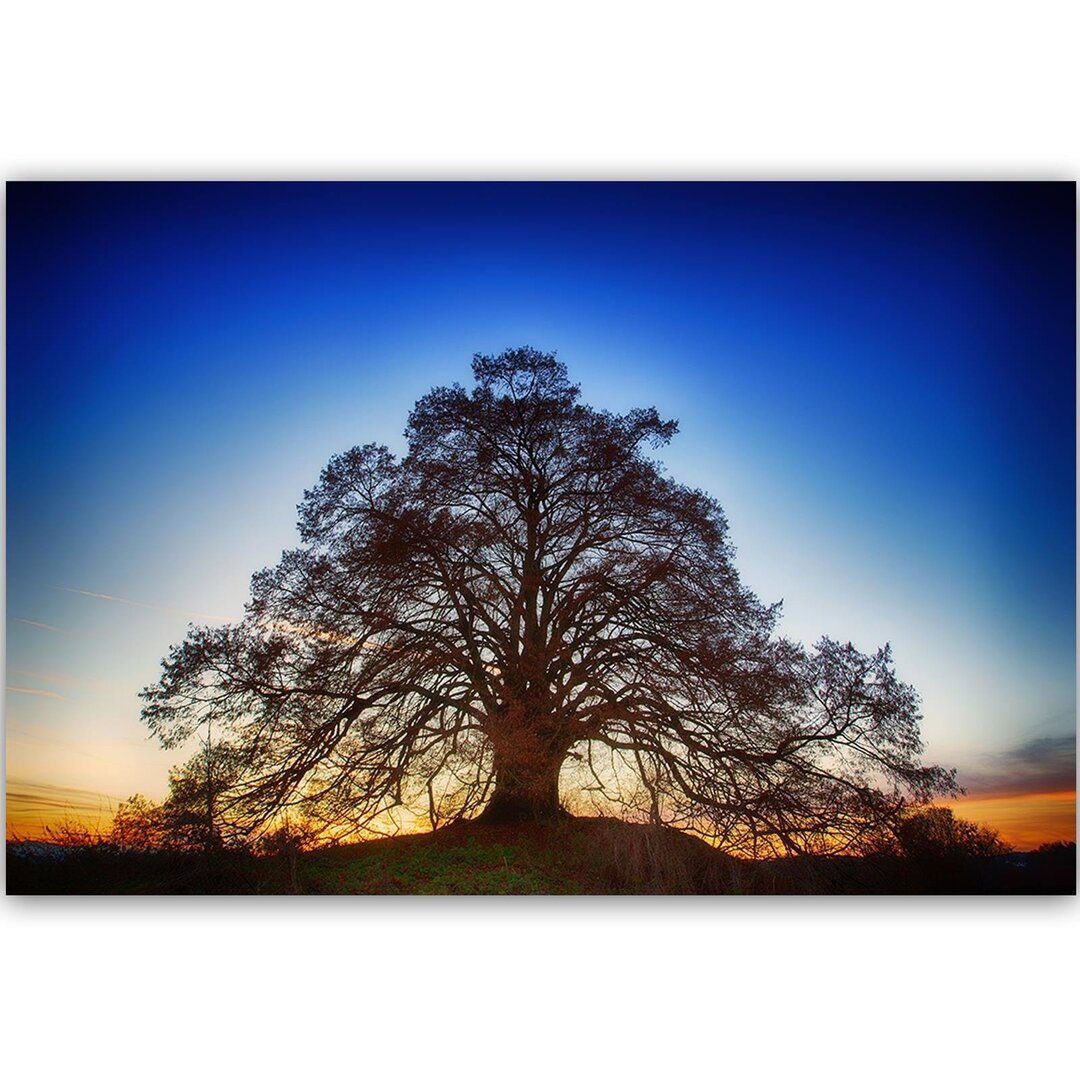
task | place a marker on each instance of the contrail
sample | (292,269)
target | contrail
(38,693)
(40,625)
(98,595)
(138,603)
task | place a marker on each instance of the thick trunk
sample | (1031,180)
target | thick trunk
(525,789)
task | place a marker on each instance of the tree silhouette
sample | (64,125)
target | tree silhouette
(934,832)
(527,596)
(192,812)
(187,820)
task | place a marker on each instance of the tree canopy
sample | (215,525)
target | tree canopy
(936,833)
(526,612)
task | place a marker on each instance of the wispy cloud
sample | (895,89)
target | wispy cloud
(36,693)
(40,625)
(291,629)
(108,597)
(101,686)
(1044,763)
(56,796)
(98,595)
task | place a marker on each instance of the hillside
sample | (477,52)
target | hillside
(598,856)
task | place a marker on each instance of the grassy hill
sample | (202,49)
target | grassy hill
(571,856)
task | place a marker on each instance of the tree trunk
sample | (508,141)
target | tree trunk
(526,789)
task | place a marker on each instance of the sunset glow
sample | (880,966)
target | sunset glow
(34,809)
(1024,821)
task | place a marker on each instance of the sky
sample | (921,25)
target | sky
(877,381)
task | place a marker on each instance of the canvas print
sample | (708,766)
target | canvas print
(541,538)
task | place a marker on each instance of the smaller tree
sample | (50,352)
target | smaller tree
(194,815)
(140,824)
(936,833)
(199,789)
(1059,849)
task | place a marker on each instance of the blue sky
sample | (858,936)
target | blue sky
(877,382)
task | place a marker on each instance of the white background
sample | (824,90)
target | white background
(607,987)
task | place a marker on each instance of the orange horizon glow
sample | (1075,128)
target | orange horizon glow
(33,808)
(1022,821)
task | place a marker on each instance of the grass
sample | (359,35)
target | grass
(582,856)
(571,856)
(574,856)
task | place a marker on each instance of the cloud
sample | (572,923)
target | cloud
(40,625)
(291,629)
(1044,763)
(200,616)
(23,796)
(98,595)
(99,686)
(36,693)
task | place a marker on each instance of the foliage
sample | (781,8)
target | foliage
(1058,849)
(936,833)
(188,818)
(140,825)
(527,600)
(192,815)
(72,832)
(288,837)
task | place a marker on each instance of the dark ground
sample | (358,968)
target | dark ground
(572,856)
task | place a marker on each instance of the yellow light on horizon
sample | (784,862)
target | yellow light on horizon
(1024,821)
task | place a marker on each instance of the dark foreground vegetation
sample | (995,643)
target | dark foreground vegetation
(570,856)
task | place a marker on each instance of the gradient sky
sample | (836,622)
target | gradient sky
(877,382)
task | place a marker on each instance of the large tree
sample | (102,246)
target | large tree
(526,596)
